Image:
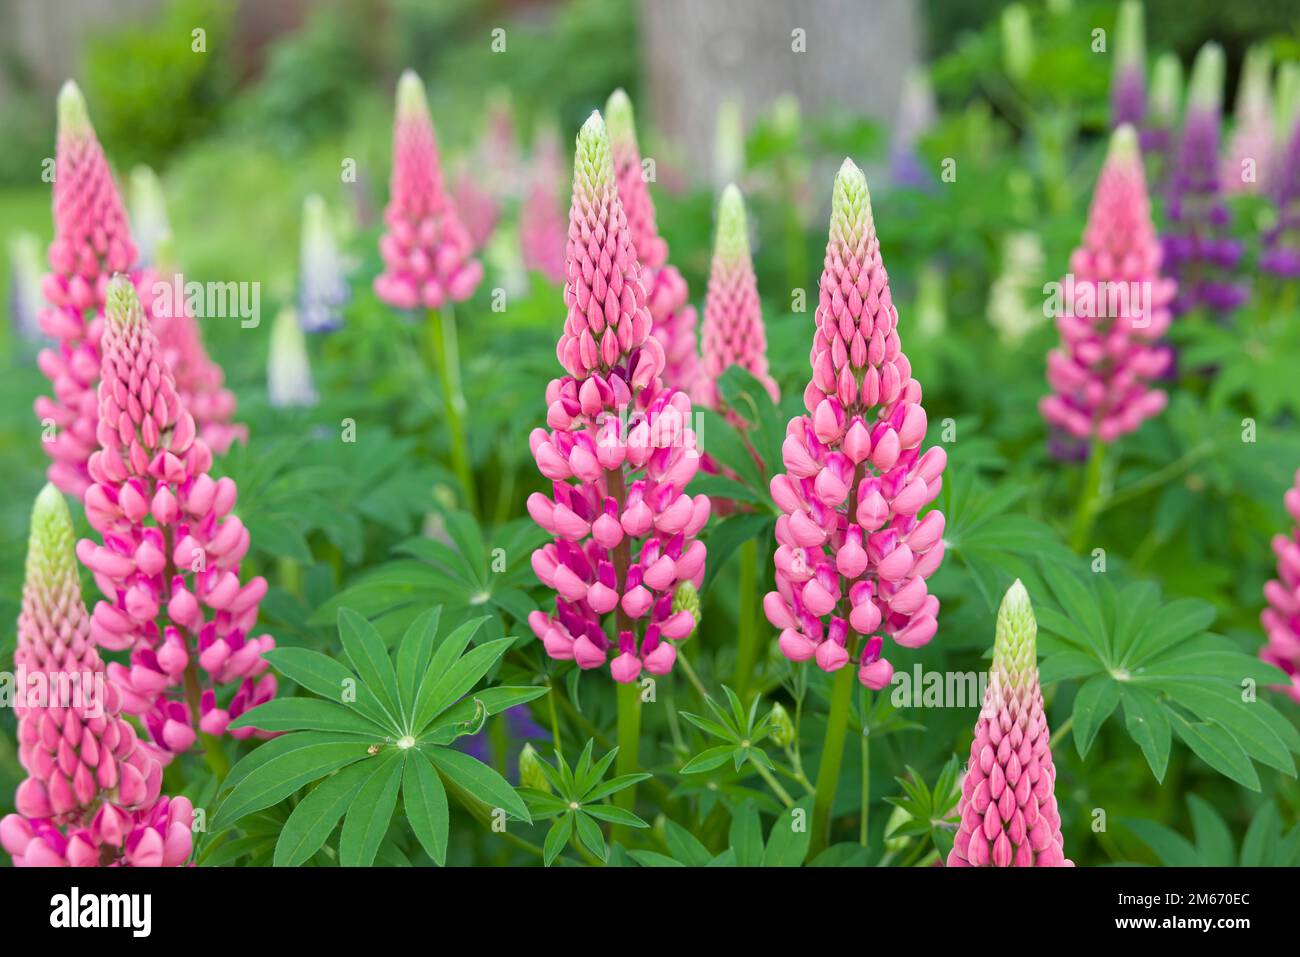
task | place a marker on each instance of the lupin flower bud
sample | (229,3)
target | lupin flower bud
(782,727)
(1128,81)
(1198,248)
(170,549)
(89,779)
(1248,167)
(672,316)
(530,772)
(541,219)
(853,552)
(1281,619)
(288,367)
(149,221)
(426,249)
(322,275)
(733,317)
(92,242)
(1117,311)
(1008,805)
(25,286)
(620,452)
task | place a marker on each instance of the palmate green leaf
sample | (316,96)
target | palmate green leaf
(1145,721)
(1176,622)
(1246,722)
(1135,607)
(589,834)
(464,531)
(479,780)
(613,786)
(586,783)
(314,819)
(324,676)
(746,836)
(787,846)
(1066,665)
(556,838)
(685,846)
(614,815)
(371,812)
(1172,848)
(387,587)
(708,760)
(1214,844)
(413,655)
(369,657)
(307,714)
(425,800)
(741,391)
(1217,748)
(1232,666)
(1093,704)
(1261,846)
(714,728)
(1080,604)
(542,805)
(440,690)
(288,763)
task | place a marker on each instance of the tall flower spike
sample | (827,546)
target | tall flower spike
(426,249)
(1128,81)
(1008,805)
(1281,619)
(1281,255)
(1163,108)
(853,552)
(90,781)
(92,241)
(541,220)
(322,274)
(1117,310)
(672,316)
(1248,167)
(619,453)
(170,549)
(733,317)
(1199,250)
(288,367)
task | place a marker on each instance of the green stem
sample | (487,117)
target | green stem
(629,741)
(747,639)
(866,787)
(1089,498)
(828,770)
(555,718)
(290,576)
(1060,732)
(445,354)
(691,676)
(774,784)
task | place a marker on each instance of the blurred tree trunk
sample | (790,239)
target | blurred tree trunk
(851,54)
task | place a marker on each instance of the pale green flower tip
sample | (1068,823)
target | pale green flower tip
(593,163)
(1123,149)
(1130,39)
(411,100)
(851,200)
(620,119)
(121,304)
(73,117)
(1206,90)
(51,544)
(783,734)
(1166,87)
(1014,645)
(733,229)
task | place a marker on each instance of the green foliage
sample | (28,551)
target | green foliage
(1265,843)
(380,727)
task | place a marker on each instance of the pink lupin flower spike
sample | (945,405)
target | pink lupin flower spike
(542,227)
(853,552)
(733,317)
(170,549)
(1008,805)
(619,453)
(1281,619)
(89,779)
(672,317)
(1109,354)
(92,241)
(426,249)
